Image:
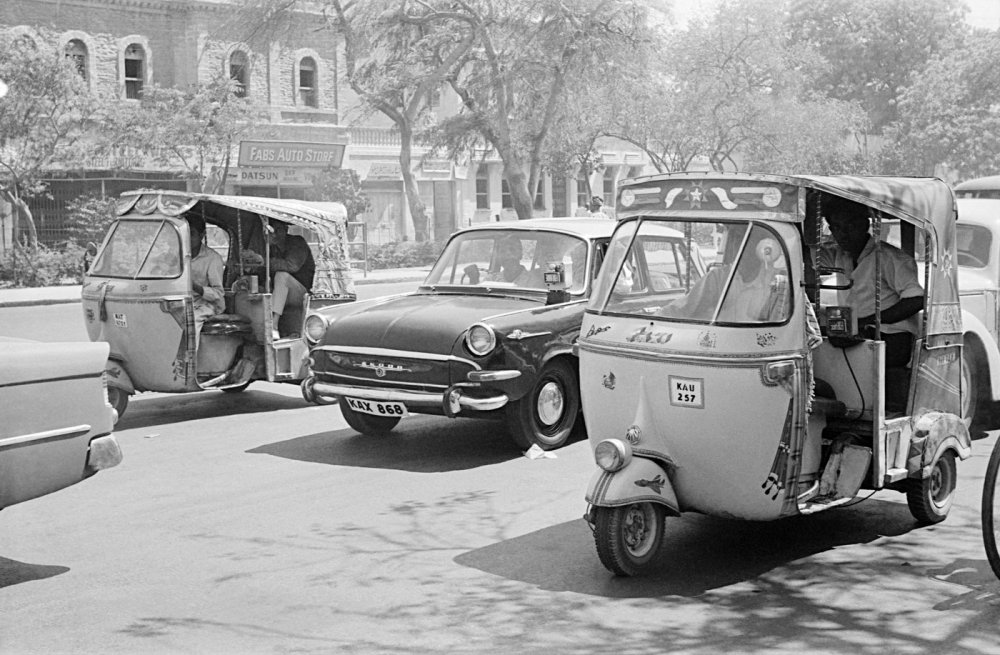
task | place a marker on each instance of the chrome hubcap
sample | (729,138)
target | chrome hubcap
(550,404)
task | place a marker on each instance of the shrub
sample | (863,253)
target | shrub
(89,217)
(43,266)
(404,254)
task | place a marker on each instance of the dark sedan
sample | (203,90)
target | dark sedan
(490,330)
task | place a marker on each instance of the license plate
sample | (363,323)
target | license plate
(376,408)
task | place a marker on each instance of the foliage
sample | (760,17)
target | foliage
(341,185)
(89,217)
(950,114)
(44,118)
(730,89)
(194,129)
(42,266)
(404,254)
(527,60)
(870,49)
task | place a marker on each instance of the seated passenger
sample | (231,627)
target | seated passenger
(292,269)
(206,276)
(509,255)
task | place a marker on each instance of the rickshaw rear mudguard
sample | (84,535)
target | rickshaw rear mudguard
(642,480)
(933,434)
(118,376)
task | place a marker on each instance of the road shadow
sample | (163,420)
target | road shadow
(177,408)
(13,572)
(700,553)
(419,444)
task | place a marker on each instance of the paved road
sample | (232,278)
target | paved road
(254,523)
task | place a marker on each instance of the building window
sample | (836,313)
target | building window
(135,68)
(506,201)
(308,95)
(76,52)
(540,195)
(435,98)
(482,189)
(608,180)
(582,191)
(239,73)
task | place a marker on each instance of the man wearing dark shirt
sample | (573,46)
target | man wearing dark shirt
(292,270)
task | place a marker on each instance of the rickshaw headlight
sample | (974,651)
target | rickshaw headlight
(315,328)
(480,339)
(612,455)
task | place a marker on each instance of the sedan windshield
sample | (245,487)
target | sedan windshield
(517,259)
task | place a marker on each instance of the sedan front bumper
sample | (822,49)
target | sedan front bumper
(452,401)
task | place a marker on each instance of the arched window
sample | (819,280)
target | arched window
(307,82)
(135,71)
(239,72)
(76,52)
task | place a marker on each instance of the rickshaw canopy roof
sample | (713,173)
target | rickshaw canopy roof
(327,220)
(922,201)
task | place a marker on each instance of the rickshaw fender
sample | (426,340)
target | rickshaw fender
(641,480)
(118,376)
(933,435)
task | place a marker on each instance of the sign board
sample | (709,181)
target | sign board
(384,170)
(267,176)
(291,154)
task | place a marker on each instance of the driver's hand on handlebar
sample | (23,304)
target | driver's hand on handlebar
(866,326)
(252,259)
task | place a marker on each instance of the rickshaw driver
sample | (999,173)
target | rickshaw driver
(902,295)
(206,276)
(292,269)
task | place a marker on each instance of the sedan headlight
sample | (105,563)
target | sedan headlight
(613,455)
(315,327)
(480,339)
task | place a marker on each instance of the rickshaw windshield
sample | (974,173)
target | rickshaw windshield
(140,250)
(653,270)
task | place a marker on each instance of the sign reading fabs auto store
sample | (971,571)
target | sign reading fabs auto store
(291,154)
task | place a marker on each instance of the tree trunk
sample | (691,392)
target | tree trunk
(20,210)
(418,211)
(517,183)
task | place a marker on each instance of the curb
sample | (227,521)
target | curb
(32,302)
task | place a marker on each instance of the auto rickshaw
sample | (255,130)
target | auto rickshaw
(749,393)
(138,295)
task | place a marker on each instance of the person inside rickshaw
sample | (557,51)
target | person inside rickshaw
(206,276)
(292,271)
(758,291)
(853,252)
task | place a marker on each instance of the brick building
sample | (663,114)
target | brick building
(122,45)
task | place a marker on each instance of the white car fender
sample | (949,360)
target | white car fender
(972,325)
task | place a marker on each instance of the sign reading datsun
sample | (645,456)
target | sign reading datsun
(291,153)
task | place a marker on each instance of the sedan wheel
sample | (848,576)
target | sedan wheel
(546,415)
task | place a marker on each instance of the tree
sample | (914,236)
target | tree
(730,89)
(194,128)
(950,114)
(527,59)
(44,119)
(871,48)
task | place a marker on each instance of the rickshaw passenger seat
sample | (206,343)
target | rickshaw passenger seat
(227,324)
(825,400)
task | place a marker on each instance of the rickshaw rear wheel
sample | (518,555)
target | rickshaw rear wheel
(373,426)
(546,415)
(118,398)
(930,499)
(628,538)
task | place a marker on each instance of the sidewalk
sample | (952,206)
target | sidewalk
(23,297)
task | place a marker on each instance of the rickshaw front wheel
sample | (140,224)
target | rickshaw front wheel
(628,538)
(547,414)
(366,424)
(930,499)
(118,398)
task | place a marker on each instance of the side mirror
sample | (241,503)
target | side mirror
(88,255)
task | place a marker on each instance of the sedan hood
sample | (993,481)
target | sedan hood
(417,322)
